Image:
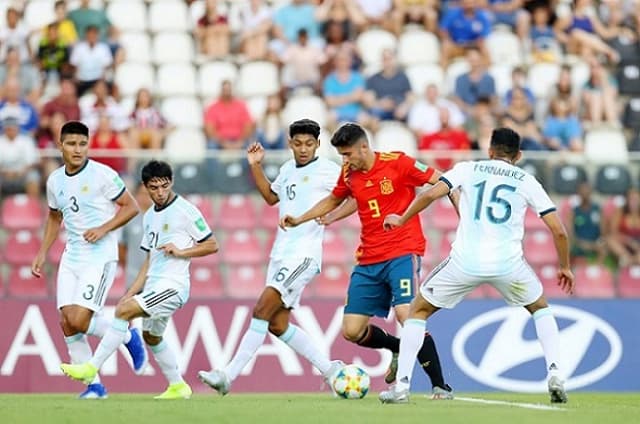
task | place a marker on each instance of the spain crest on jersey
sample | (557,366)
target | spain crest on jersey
(386,186)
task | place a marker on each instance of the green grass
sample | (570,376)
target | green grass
(583,408)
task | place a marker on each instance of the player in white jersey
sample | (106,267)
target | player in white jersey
(296,255)
(494,196)
(83,195)
(174,232)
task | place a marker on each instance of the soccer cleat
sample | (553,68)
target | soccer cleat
(331,373)
(556,390)
(94,391)
(137,351)
(393,396)
(176,391)
(440,393)
(390,375)
(217,380)
(81,372)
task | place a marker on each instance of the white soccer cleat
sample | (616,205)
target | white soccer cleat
(217,380)
(394,396)
(556,390)
(330,375)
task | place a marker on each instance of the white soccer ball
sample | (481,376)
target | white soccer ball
(351,382)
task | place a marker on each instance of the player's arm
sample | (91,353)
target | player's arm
(454,195)
(138,283)
(422,201)
(561,241)
(321,208)
(255,155)
(347,208)
(202,248)
(128,209)
(51,230)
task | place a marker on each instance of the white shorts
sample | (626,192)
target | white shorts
(447,285)
(290,277)
(85,285)
(159,302)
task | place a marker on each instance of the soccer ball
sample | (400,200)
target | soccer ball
(351,382)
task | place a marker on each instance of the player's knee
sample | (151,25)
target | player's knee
(150,339)
(352,333)
(278,328)
(74,323)
(124,310)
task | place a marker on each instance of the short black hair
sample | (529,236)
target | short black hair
(304,126)
(348,135)
(74,127)
(505,141)
(156,169)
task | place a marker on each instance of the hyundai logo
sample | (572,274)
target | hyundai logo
(507,348)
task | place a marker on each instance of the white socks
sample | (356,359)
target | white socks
(251,341)
(112,339)
(547,330)
(99,325)
(411,338)
(79,351)
(167,362)
(301,343)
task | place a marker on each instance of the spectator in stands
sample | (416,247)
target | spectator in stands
(346,13)
(422,12)
(26,73)
(212,32)
(227,122)
(376,13)
(148,126)
(446,139)
(388,95)
(291,18)
(270,130)
(66,29)
(562,129)
(599,96)
(582,32)
(519,117)
(14,35)
(624,240)
(544,45)
(563,90)
(485,125)
(105,138)
(519,80)
(91,58)
(104,104)
(511,13)
(84,17)
(462,28)
(424,115)
(586,227)
(302,63)
(65,104)
(18,161)
(53,56)
(255,18)
(12,105)
(344,91)
(337,40)
(475,84)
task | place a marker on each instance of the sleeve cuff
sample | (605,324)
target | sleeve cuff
(119,194)
(447,182)
(207,237)
(53,209)
(547,211)
(145,249)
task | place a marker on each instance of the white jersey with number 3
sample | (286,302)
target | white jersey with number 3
(299,188)
(494,196)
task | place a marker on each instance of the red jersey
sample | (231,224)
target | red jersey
(387,188)
(449,139)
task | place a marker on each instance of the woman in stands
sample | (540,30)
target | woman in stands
(148,126)
(624,240)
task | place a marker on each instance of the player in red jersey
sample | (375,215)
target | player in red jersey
(388,265)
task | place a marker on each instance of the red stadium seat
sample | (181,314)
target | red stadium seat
(334,249)
(268,216)
(443,215)
(539,248)
(629,281)
(352,222)
(208,261)
(22,212)
(204,205)
(119,286)
(533,222)
(594,281)
(57,248)
(237,212)
(332,282)
(242,248)
(206,282)
(445,244)
(245,281)
(548,275)
(24,285)
(21,247)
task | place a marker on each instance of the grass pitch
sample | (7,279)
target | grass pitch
(583,408)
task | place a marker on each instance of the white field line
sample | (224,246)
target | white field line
(515,404)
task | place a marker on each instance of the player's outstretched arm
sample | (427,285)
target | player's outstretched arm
(422,201)
(321,208)
(561,241)
(51,230)
(255,155)
(347,208)
(128,209)
(138,283)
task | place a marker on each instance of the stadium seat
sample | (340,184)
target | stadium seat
(185,145)
(326,150)
(204,205)
(331,283)
(168,16)
(137,47)
(444,248)
(421,75)
(257,106)
(334,249)
(631,117)
(542,77)
(580,73)
(237,212)
(127,15)
(130,77)
(628,76)
(442,215)
(501,74)
(395,137)
(37,14)
(191,178)
(504,48)
(454,70)
(533,222)
(539,248)
(629,281)
(206,282)
(119,286)
(231,176)
(169,47)
(258,79)
(372,42)
(245,281)
(21,247)
(594,281)
(57,248)
(548,275)
(605,145)
(417,47)
(613,179)
(22,212)
(211,75)
(176,79)
(242,248)
(305,106)
(269,216)
(182,111)
(634,145)
(24,285)
(567,178)
(537,168)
